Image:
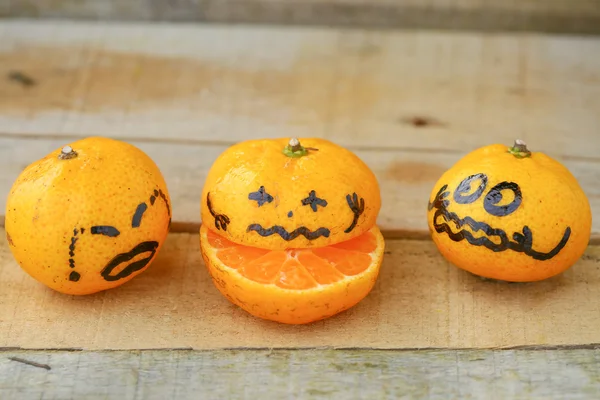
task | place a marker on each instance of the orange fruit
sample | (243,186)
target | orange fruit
(509,214)
(257,195)
(294,286)
(289,230)
(89,216)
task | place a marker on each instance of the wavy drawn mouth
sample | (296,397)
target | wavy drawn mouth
(115,265)
(521,242)
(281,231)
(452,224)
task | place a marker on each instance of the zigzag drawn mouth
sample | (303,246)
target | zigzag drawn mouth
(522,242)
(281,231)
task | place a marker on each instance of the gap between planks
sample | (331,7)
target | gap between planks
(566,347)
(226,143)
(557,16)
(193,228)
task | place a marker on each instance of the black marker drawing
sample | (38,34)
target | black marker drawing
(74,275)
(521,242)
(357,207)
(108,273)
(221,220)
(314,201)
(164,197)
(136,221)
(261,196)
(111,231)
(495,196)
(105,230)
(285,235)
(465,187)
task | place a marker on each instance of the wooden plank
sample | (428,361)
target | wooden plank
(581,16)
(419,301)
(304,374)
(406,179)
(407,90)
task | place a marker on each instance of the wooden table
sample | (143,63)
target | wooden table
(409,102)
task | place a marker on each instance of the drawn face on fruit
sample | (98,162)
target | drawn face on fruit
(95,219)
(307,226)
(485,216)
(284,201)
(124,264)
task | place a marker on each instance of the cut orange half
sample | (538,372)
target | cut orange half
(294,286)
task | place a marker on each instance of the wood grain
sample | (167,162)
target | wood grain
(580,16)
(409,103)
(446,93)
(304,374)
(419,301)
(406,179)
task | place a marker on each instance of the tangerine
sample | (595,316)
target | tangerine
(289,230)
(89,216)
(509,214)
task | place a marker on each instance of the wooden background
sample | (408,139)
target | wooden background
(409,86)
(552,16)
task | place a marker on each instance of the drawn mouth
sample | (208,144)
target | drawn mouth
(453,226)
(114,270)
(281,231)
(521,241)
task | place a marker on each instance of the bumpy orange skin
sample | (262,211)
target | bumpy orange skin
(332,171)
(270,302)
(55,204)
(551,202)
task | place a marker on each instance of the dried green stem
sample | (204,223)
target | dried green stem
(295,149)
(519,149)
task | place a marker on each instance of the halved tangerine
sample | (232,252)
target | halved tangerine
(294,286)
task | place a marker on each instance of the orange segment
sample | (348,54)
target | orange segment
(218,242)
(297,269)
(265,268)
(293,275)
(294,286)
(347,262)
(235,257)
(322,271)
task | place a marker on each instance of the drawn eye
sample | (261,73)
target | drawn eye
(314,201)
(261,196)
(461,195)
(494,197)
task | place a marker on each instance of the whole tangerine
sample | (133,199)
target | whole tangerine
(509,214)
(289,228)
(89,216)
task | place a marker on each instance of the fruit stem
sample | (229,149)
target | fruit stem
(519,149)
(295,149)
(67,153)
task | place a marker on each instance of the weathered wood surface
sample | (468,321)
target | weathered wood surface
(184,93)
(582,16)
(180,97)
(419,301)
(196,84)
(303,374)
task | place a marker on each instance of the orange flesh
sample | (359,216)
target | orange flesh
(297,269)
